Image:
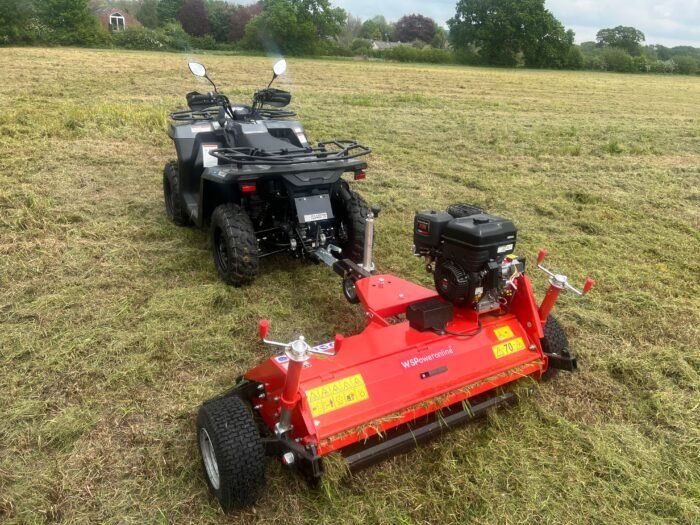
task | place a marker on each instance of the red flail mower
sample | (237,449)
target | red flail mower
(428,360)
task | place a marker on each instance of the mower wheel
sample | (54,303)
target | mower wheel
(352,210)
(233,457)
(554,342)
(235,247)
(174,203)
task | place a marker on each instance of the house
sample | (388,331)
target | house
(379,45)
(115,19)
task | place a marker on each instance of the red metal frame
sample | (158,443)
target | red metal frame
(390,374)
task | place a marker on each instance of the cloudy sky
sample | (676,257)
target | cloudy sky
(667,22)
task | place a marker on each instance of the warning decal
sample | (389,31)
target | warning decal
(503,333)
(337,395)
(504,349)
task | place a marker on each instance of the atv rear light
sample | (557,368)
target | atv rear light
(360,175)
(248,188)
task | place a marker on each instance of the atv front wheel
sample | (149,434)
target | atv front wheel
(554,342)
(174,203)
(352,210)
(233,457)
(235,247)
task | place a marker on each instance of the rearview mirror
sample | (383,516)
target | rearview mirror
(280,67)
(197,69)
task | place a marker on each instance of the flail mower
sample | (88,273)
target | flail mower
(428,360)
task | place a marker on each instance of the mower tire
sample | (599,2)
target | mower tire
(235,247)
(350,291)
(554,342)
(174,203)
(232,453)
(352,210)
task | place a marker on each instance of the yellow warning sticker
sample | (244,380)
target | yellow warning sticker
(503,333)
(510,347)
(337,395)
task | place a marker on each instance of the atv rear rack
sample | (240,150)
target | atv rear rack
(325,151)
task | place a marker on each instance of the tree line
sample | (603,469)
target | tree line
(503,33)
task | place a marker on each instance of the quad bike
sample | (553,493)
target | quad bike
(427,361)
(250,172)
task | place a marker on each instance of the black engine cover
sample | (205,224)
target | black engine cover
(474,240)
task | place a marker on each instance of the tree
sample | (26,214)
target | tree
(440,39)
(294,26)
(239,20)
(70,21)
(617,59)
(502,29)
(12,21)
(686,65)
(349,32)
(168,10)
(415,27)
(219,13)
(627,38)
(377,28)
(147,13)
(194,18)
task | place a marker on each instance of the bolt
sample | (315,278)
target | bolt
(257,407)
(261,387)
(401,296)
(317,422)
(262,396)
(288,458)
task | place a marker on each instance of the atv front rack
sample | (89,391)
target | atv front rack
(325,151)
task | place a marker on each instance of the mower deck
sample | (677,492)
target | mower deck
(391,374)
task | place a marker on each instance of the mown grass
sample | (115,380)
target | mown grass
(115,326)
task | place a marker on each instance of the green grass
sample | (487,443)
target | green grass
(115,326)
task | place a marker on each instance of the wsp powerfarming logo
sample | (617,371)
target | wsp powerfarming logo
(417,361)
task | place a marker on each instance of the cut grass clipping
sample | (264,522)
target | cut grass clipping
(115,325)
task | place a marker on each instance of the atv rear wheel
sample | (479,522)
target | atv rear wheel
(174,203)
(233,457)
(235,247)
(554,342)
(352,210)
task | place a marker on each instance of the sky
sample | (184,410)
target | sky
(666,22)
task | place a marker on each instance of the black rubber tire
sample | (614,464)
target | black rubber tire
(238,451)
(174,203)
(352,210)
(554,342)
(349,291)
(234,245)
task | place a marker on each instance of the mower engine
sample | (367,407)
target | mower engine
(470,255)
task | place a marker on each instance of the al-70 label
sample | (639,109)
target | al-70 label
(509,347)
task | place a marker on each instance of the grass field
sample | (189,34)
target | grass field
(115,326)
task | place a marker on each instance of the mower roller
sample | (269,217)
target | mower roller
(427,360)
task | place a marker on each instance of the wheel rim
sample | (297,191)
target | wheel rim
(206,447)
(220,251)
(350,289)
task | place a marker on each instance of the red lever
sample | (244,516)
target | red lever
(588,285)
(540,256)
(264,328)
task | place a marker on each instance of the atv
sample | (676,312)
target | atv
(250,173)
